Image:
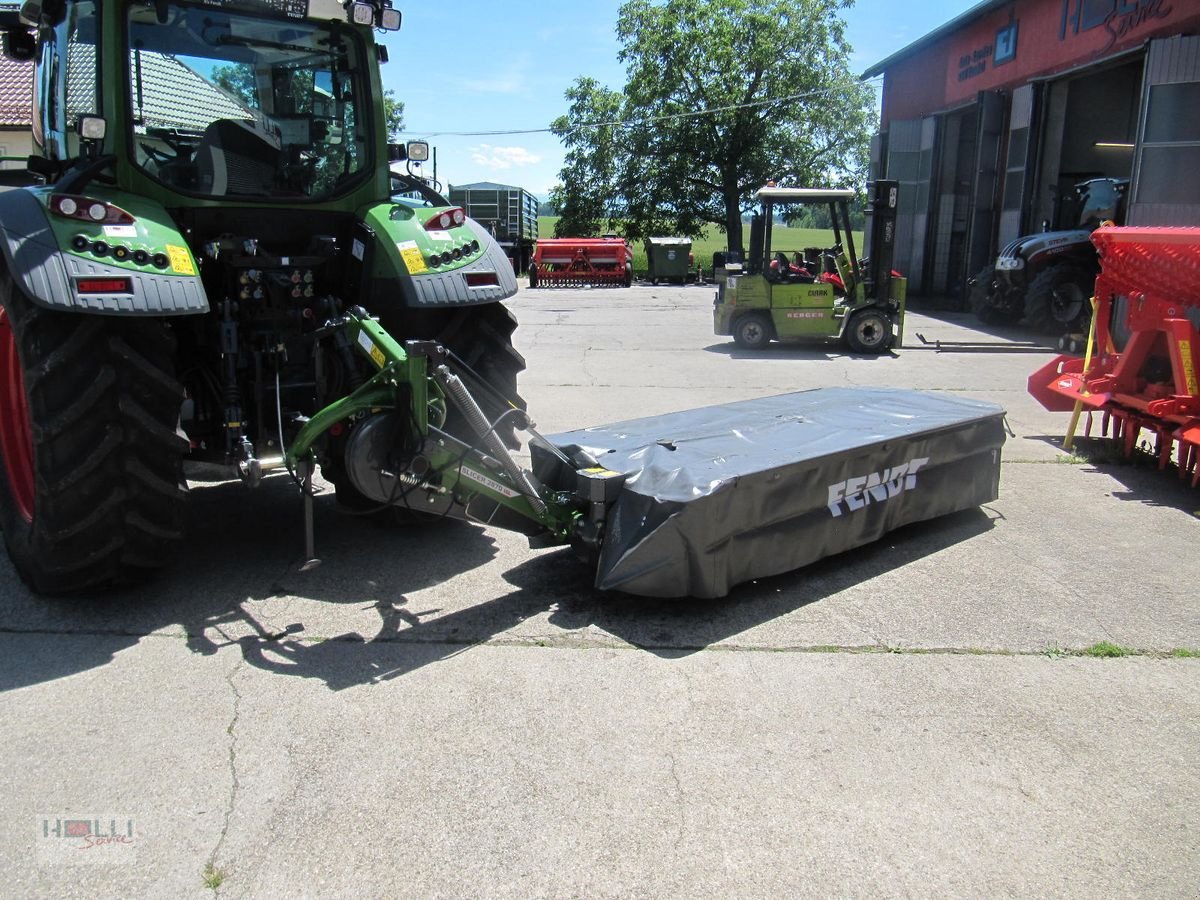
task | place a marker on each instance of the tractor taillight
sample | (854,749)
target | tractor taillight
(444,221)
(104,286)
(85,209)
(482,279)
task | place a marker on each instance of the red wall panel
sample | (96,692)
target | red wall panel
(1052,36)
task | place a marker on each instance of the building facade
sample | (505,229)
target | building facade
(989,121)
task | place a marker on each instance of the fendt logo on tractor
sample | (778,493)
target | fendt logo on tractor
(862,490)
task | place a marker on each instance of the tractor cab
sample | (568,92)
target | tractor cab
(1094,202)
(786,291)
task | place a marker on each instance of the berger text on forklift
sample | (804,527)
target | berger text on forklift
(857,492)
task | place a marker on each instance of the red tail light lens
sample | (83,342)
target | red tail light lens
(482,279)
(446,220)
(104,286)
(86,209)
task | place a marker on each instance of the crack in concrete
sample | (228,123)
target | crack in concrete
(235,782)
(680,806)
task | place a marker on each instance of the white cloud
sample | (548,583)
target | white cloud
(497,158)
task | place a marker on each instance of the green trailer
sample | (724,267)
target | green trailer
(789,293)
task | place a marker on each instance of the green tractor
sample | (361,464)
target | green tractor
(793,294)
(216,220)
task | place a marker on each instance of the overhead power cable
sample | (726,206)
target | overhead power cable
(630,123)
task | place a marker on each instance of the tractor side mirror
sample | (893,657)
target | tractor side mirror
(20,44)
(397,153)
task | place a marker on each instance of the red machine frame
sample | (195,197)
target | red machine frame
(578,262)
(1143,356)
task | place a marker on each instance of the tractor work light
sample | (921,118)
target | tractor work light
(362,14)
(389,19)
(86,209)
(444,221)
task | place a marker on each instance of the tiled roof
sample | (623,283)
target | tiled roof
(174,96)
(16,92)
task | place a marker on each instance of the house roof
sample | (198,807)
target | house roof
(16,92)
(975,12)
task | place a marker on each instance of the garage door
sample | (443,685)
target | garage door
(1167,161)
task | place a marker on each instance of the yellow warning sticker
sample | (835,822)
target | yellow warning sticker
(413,259)
(373,351)
(181,260)
(1189,370)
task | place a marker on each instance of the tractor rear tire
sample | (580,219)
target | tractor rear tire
(981,301)
(1059,301)
(92,493)
(869,331)
(752,331)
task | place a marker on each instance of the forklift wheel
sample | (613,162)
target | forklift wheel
(752,332)
(869,331)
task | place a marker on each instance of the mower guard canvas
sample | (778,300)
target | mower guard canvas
(717,496)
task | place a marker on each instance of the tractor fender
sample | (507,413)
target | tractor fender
(399,261)
(47,274)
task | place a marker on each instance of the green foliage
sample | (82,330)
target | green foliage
(1105,650)
(393,113)
(237,79)
(706,119)
(583,198)
(212,877)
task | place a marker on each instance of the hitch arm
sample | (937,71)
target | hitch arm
(486,468)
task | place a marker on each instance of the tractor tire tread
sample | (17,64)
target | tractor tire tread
(109,494)
(1039,300)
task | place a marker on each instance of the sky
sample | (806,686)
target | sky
(473,66)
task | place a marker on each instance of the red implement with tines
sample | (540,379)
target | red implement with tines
(581,262)
(1142,374)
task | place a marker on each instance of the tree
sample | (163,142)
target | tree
(584,193)
(721,96)
(393,114)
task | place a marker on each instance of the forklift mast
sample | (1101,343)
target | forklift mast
(882,249)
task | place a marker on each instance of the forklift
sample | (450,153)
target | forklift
(792,294)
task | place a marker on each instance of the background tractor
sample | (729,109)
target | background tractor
(1048,278)
(793,293)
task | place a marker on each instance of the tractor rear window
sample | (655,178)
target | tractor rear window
(225,104)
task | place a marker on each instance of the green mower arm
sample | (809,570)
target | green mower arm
(404,379)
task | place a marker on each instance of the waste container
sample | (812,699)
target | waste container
(668,258)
